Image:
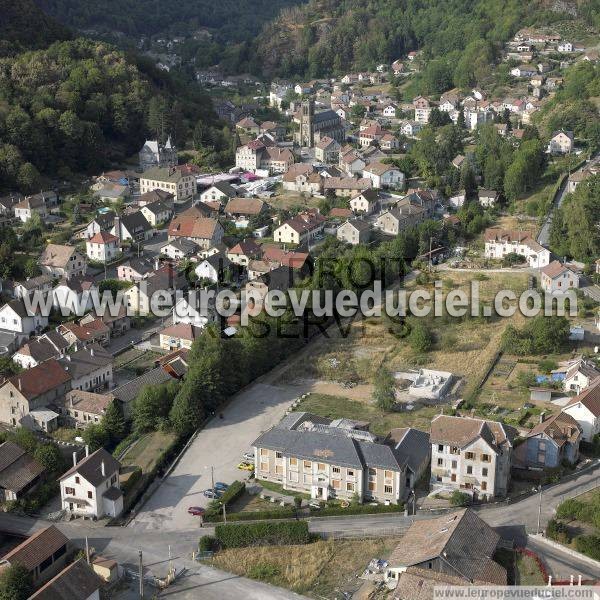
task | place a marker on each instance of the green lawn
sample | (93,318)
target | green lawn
(335,407)
(148,450)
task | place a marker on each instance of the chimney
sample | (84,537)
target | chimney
(87,451)
(75,458)
(103,469)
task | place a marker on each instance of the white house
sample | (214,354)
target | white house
(366,202)
(579,376)
(15,317)
(457,199)
(179,248)
(188,311)
(487,198)
(212,267)
(500,242)
(565,46)
(103,247)
(561,142)
(220,191)
(382,175)
(471,455)
(90,488)
(557,278)
(91,368)
(585,409)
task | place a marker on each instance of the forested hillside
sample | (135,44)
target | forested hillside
(333,35)
(228,20)
(22,25)
(79,105)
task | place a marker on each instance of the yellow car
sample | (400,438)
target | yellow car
(246,466)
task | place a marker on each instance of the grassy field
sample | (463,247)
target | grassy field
(323,569)
(527,571)
(147,450)
(287,200)
(381,422)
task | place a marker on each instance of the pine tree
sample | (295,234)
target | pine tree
(113,422)
(384,391)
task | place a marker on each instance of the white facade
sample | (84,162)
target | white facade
(25,325)
(587,420)
(104,252)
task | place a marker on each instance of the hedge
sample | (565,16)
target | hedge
(282,533)
(356,509)
(231,494)
(588,545)
(259,515)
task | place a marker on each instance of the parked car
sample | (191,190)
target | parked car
(248,456)
(220,486)
(197,511)
(213,494)
(246,466)
(314,504)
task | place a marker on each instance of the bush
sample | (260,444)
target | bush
(557,531)
(420,338)
(132,480)
(357,509)
(588,545)
(263,571)
(216,516)
(262,534)
(233,492)
(207,543)
(569,509)
(459,498)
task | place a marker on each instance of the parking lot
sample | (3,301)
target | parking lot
(218,447)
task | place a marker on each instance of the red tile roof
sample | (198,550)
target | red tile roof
(40,379)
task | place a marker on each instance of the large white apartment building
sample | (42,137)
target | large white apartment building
(471,455)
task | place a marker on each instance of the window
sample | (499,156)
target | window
(70,491)
(349,486)
(453,477)
(264,466)
(336,484)
(293,476)
(388,489)
(293,462)
(278,455)
(76,479)
(440,462)
(90,495)
(484,472)
(485,458)
(484,485)
(350,472)
(438,478)
(372,472)
(372,486)
(320,466)
(307,464)
(388,474)
(469,470)
(264,452)
(279,470)
(469,455)
(454,464)
(336,470)
(454,450)
(440,447)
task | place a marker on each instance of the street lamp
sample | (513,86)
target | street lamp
(539,511)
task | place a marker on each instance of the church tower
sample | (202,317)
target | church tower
(307,131)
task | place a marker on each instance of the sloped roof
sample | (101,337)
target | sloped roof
(554,269)
(590,398)
(56,255)
(187,225)
(245,206)
(77,581)
(461,431)
(103,237)
(562,428)
(88,402)
(40,379)
(17,468)
(128,391)
(90,467)
(37,548)
(461,539)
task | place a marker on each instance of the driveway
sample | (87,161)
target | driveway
(217,447)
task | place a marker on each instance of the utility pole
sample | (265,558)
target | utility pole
(539,511)
(224,513)
(87,550)
(212,476)
(141,577)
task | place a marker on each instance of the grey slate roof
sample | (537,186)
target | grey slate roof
(17,468)
(76,582)
(90,468)
(413,444)
(334,445)
(128,391)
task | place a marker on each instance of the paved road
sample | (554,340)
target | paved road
(544,235)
